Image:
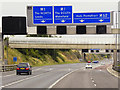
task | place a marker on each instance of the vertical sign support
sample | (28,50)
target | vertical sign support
(1,49)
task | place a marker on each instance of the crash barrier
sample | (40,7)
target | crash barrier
(116,68)
(5,68)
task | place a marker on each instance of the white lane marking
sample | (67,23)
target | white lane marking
(51,69)
(95,85)
(93,82)
(19,81)
(113,73)
(61,79)
(37,69)
(8,75)
(91,78)
(69,69)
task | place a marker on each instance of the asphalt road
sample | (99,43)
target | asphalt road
(63,76)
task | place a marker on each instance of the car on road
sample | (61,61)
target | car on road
(88,65)
(89,61)
(24,68)
(95,61)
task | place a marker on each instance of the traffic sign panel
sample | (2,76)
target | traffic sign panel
(14,59)
(94,49)
(96,17)
(62,14)
(42,15)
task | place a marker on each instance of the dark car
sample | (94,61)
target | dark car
(95,62)
(24,68)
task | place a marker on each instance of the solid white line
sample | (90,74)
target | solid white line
(112,73)
(61,79)
(19,81)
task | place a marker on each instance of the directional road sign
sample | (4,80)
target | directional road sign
(62,14)
(14,59)
(94,49)
(42,15)
(96,17)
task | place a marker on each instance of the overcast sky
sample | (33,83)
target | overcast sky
(58,0)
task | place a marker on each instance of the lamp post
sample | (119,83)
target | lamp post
(117,26)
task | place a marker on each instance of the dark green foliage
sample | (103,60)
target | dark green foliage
(40,53)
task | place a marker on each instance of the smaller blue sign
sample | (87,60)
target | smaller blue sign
(14,59)
(98,17)
(42,15)
(62,14)
(94,49)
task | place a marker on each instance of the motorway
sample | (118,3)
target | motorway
(63,76)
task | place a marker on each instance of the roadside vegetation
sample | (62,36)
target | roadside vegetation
(41,57)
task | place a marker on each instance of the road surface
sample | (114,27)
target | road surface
(63,76)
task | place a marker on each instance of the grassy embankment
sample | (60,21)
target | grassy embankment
(37,57)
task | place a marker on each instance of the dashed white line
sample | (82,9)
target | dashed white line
(91,78)
(95,85)
(37,69)
(93,82)
(8,75)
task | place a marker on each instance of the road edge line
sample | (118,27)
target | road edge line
(112,72)
(61,79)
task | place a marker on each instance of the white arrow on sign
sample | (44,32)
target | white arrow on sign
(63,21)
(101,20)
(82,20)
(43,21)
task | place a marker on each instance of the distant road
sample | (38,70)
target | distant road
(50,76)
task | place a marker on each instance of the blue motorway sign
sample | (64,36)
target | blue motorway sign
(42,15)
(14,59)
(62,14)
(98,17)
(94,49)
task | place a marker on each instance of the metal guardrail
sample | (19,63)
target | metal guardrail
(116,68)
(5,68)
